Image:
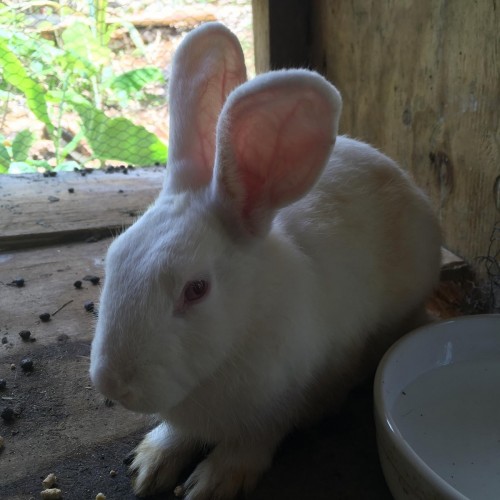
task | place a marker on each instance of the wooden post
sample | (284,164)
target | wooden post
(281,33)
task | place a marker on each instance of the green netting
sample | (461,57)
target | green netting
(82,82)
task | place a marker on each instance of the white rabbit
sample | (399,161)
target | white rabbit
(267,279)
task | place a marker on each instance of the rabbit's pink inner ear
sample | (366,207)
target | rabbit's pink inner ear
(208,65)
(279,141)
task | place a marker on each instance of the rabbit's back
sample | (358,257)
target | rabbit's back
(370,235)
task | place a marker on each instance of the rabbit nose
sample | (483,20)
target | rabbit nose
(108,383)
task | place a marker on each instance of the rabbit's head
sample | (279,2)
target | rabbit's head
(181,283)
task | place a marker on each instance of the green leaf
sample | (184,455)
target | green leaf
(67,166)
(11,17)
(39,164)
(22,144)
(137,79)
(4,157)
(81,42)
(29,46)
(21,167)
(15,74)
(59,96)
(71,62)
(120,139)
(97,11)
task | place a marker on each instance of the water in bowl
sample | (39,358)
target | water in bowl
(450,416)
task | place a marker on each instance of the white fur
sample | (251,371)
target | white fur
(314,272)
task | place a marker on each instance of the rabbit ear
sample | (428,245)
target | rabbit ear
(274,137)
(208,65)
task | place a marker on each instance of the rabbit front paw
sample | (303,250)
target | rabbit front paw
(158,461)
(227,471)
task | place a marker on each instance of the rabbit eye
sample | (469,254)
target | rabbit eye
(195,290)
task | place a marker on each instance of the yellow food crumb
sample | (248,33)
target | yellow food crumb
(49,481)
(51,494)
(100,496)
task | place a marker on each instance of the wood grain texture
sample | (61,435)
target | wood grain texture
(260,17)
(281,33)
(421,81)
(35,210)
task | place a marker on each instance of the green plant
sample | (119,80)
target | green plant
(16,152)
(14,157)
(74,76)
(15,74)
(111,137)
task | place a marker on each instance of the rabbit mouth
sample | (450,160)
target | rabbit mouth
(138,400)
(138,403)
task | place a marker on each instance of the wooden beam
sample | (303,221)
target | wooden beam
(281,33)
(42,211)
(260,13)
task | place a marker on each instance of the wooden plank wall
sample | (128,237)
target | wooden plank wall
(420,80)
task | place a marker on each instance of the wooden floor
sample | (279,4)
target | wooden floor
(52,237)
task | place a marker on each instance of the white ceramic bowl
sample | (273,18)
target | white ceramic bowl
(437,411)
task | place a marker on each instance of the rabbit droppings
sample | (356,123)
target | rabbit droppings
(269,276)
